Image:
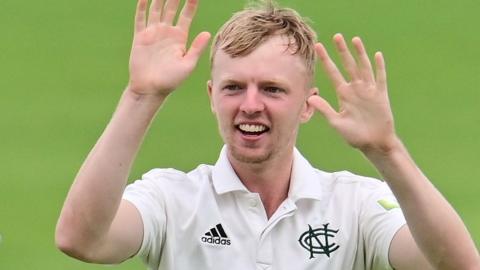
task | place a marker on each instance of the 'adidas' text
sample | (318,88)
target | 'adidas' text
(216,240)
(216,236)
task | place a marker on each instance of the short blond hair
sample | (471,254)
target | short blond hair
(246,30)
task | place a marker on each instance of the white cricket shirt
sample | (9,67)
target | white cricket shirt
(207,219)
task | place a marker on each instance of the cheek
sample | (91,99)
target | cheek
(287,120)
(223,114)
(293,118)
(226,106)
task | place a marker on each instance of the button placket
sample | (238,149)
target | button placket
(265,253)
(256,216)
(286,209)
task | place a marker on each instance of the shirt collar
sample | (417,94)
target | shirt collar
(304,183)
(224,177)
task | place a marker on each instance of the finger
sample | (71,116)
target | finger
(381,72)
(187,14)
(323,107)
(155,12)
(170,11)
(366,70)
(140,15)
(347,58)
(329,66)
(198,46)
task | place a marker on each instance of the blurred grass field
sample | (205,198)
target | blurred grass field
(63,66)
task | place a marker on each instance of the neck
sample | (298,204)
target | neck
(270,179)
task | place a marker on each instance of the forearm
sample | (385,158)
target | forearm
(437,229)
(95,195)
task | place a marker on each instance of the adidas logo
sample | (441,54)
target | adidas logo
(216,236)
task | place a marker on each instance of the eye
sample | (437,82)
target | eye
(273,90)
(232,87)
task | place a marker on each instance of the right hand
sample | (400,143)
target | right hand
(159,59)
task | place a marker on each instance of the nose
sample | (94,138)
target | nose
(252,101)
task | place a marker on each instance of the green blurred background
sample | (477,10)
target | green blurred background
(63,66)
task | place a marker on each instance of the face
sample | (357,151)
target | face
(260,100)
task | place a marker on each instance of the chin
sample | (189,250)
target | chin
(252,156)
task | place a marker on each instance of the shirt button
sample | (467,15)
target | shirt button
(262,266)
(253,203)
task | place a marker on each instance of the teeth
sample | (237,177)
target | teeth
(252,128)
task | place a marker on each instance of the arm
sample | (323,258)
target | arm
(365,121)
(95,225)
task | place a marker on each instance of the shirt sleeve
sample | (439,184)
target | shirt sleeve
(147,196)
(380,218)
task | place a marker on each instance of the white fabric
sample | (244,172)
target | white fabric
(178,210)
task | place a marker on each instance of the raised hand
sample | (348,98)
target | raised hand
(364,118)
(159,59)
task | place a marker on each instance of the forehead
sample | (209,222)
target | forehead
(272,60)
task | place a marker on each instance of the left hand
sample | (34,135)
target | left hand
(160,60)
(364,118)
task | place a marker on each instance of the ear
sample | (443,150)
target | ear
(308,109)
(209,90)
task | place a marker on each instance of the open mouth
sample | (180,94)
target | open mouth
(252,129)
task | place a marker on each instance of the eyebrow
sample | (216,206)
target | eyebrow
(274,82)
(229,80)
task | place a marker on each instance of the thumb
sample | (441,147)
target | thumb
(198,46)
(322,106)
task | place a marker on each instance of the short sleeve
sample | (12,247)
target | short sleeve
(147,196)
(380,218)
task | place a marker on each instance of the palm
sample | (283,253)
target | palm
(364,118)
(159,59)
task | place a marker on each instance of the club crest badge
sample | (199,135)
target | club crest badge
(319,240)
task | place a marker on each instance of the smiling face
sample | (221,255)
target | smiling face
(260,100)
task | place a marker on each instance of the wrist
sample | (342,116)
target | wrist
(143,96)
(383,150)
(391,160)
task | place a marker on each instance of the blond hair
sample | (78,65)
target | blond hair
(248,29)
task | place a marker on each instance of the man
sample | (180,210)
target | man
(262,205)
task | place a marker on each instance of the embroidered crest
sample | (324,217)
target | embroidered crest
(319,241)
